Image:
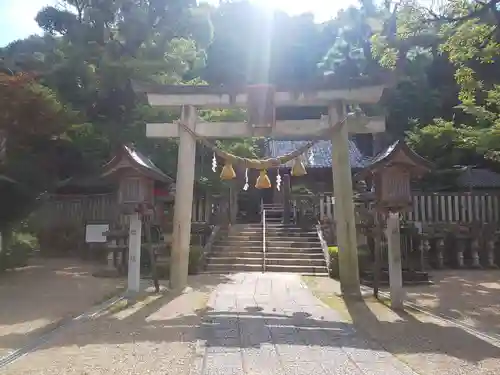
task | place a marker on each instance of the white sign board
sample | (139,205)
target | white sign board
(94,233)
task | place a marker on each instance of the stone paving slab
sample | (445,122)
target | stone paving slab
(271,324)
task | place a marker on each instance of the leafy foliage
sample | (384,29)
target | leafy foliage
(82,104)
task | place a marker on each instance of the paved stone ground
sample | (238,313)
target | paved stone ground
(272,324)
(248,323)
(48,290)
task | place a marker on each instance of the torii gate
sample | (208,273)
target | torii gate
(191,97)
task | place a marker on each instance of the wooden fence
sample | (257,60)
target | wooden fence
(77,210)
(82,209)
(439,207)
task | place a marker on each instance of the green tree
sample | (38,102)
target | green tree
(35,153)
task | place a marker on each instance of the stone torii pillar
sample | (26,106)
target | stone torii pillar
(215,97)
(344,203)
(183,206)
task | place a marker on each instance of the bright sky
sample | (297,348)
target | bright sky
(17,17)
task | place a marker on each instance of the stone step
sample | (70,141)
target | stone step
(269,228)
(236,254)
(225,268)
(296,239)
(259,225)
(270,260)
(309,250)
(266,206)
(234,260)
(269,249)
(319,274)
(293,243)
(225,249)
(291,233)
(269,237)
(297,269)
(298,255)
(238,243)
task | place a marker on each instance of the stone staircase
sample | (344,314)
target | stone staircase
(288,249)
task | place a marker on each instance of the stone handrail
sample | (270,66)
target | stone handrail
(324,245)
(263,240)
(208,246)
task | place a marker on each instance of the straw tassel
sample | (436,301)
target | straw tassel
(214,163)
(263,181)
(298,168)
(228,172)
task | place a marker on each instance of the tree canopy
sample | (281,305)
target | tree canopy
(70,88)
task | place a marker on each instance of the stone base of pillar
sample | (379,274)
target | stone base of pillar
(440,261)
(110,264)
(475,261)
(460,260)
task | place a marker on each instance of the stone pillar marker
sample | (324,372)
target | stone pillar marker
(134,254)
(183,207)
(395,269)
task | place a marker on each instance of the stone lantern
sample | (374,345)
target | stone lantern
(137,180)
(391,173)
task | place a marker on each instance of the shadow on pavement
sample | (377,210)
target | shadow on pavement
(164,321)
(470,296)
(409,335)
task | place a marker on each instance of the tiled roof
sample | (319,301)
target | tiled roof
(386,153)
(146,163)
(318,156)
(479,179)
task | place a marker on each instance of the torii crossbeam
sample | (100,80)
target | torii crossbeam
(191,97)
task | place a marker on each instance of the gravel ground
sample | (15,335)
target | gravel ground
(429,345)
(155,336)
(48,290)
(470,296)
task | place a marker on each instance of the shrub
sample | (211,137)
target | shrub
(333,251)
(62,240)
(17,248)
(364,261)
(163,271)
(195,256)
